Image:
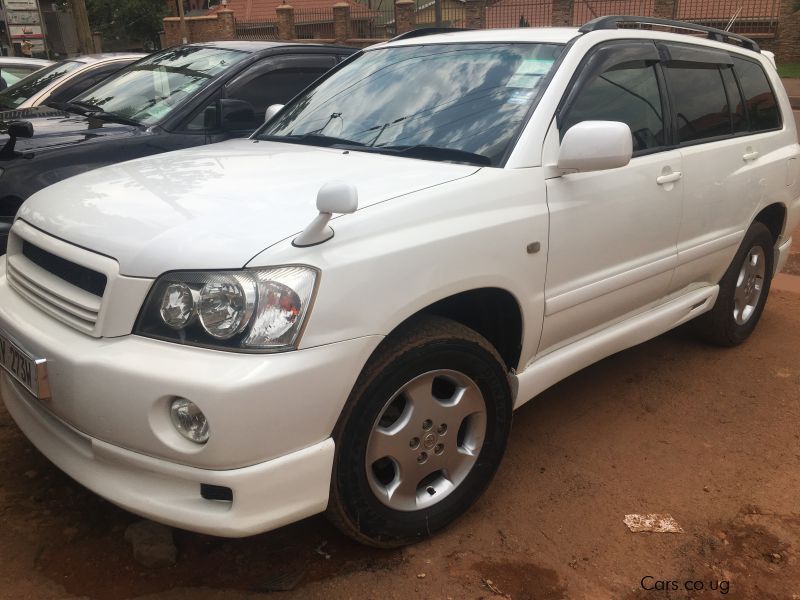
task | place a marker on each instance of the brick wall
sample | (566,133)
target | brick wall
(219,26)
(785,45)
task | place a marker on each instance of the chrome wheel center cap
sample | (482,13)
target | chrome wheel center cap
(429,441)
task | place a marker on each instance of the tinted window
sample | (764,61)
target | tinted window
(627,92)
(274,87)
(701,105)
(759,101)
(734,99)
(448,102)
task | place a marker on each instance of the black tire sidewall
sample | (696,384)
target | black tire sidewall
(757,235)
(377,521)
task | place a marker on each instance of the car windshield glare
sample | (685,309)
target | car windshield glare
(18,93)
(149,90)
(449,102)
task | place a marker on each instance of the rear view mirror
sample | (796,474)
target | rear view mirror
(595,146)
(236,115)
(272,110)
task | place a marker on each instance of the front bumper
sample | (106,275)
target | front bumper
(265,496)
(106,422)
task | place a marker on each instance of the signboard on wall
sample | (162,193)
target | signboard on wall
(22,17)
(25,32)
(21,5)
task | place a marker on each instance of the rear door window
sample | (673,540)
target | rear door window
(701,104)
(759,99)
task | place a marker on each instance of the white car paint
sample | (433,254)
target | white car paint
(597,261)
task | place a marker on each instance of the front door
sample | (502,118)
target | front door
(613,233)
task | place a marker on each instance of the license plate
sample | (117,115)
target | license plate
(30,372)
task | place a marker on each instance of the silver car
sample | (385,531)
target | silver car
(63,80)
(13,69)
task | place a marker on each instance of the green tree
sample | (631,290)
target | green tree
(130,19)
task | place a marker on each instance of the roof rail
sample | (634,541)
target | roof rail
(423,31)
(712,33)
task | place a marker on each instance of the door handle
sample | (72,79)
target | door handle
(669,178)
(748,156)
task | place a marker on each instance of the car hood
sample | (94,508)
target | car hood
(217,206)
(52,127)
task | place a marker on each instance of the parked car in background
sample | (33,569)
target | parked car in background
(13,69)
(61,81)
(181,97)
(341,313)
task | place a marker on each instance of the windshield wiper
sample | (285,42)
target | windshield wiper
(312,139)
(427,152)
(81,108)
(107,116)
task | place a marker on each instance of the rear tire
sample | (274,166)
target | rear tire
(422,434)
(743,291)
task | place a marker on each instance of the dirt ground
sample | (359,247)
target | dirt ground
(672,426)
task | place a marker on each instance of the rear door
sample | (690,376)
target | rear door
(727,126)
(612,245)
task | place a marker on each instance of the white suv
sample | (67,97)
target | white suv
(186,336)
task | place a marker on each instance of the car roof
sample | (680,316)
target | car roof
(253,47)
(554,35)
(107,56)
(18,60)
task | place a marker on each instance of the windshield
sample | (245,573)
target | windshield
(18,93)
(452,102)
(147,91)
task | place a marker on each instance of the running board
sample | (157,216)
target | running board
(552,368)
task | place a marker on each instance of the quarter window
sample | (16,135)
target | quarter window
(738,116)
(759,100)
(701,105)
(627,92)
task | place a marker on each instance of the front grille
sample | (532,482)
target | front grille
(86,279)
(65,290)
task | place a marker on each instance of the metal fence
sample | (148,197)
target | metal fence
(519,13)
(376,22)
(752,17)
(454,14)
(586,10)
(256,31)
(313,23)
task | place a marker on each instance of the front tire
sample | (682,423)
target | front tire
(422,434)
(743,291)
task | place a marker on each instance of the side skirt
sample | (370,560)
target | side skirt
(552,368)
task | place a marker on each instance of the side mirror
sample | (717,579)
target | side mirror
(333,197)
(16,129)
(20,129)
(272,110)
(236,115)
(595,146)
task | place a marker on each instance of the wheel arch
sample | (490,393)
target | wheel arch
(773,217)
(492,312)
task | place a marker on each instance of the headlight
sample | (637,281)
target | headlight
(251,309)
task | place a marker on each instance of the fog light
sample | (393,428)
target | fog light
(189,420)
